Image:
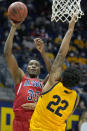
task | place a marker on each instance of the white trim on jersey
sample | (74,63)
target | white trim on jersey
(19,88)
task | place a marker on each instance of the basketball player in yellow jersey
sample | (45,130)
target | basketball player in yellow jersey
(58,100)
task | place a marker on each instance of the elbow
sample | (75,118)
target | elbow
(6,54)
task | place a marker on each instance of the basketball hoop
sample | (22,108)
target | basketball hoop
(63,10)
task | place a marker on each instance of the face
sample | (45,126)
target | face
(33,68)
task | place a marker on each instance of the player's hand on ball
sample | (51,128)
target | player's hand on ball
(39,44)
(15,25)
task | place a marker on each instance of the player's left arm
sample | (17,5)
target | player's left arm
(29,106)
(58,63)
(56,68)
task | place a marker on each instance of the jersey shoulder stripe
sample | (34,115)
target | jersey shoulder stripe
(76,102)
(49,89)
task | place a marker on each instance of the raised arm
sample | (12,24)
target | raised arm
(16,72)
(56,68)
(58,62)
(39,44)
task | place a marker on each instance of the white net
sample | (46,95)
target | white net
(64,9)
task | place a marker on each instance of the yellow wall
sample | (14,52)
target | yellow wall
(4,112)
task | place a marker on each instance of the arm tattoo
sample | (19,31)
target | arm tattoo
(58,62)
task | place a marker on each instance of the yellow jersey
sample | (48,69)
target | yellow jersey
(53,109)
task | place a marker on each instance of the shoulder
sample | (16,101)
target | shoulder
(48,87)
(76,94)
(76,98)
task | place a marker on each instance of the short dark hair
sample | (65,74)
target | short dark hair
(71,77)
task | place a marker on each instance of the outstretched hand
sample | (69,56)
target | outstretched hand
(39,44)
(73,21)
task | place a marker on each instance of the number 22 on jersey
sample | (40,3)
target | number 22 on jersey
(58,108)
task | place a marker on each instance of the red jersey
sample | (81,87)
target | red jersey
(27,91)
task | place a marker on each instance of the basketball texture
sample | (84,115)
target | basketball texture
(17,12)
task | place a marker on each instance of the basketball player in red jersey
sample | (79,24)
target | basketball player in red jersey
(27,89)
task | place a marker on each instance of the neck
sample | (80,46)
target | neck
(33,76)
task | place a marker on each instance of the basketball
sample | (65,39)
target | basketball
(17,12)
